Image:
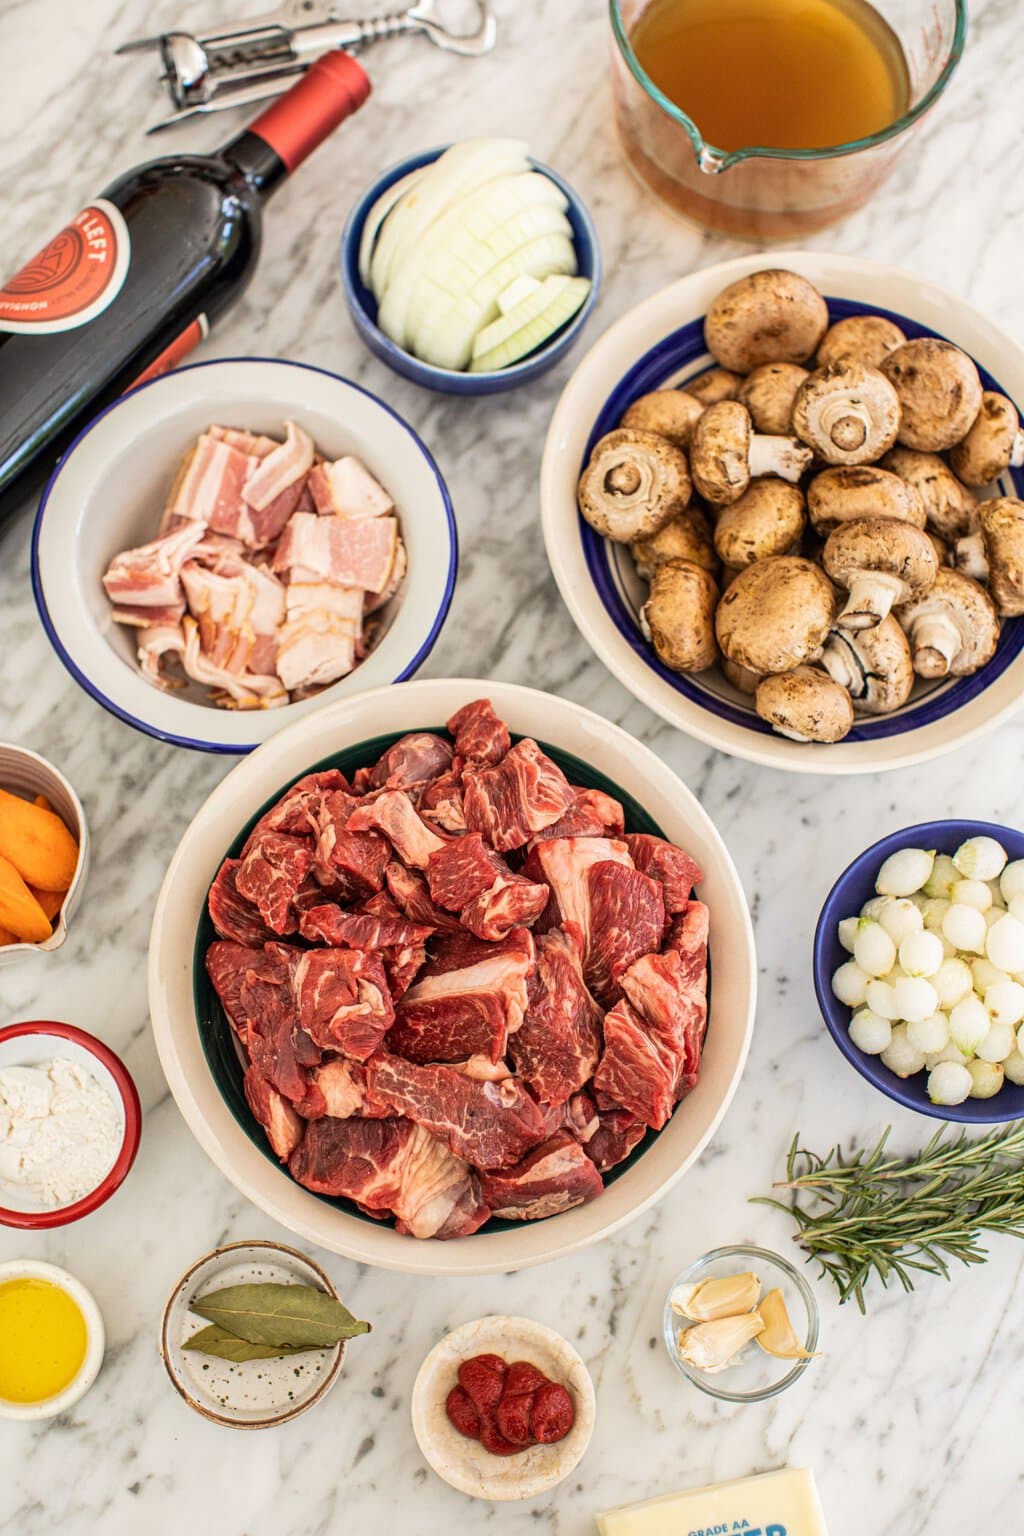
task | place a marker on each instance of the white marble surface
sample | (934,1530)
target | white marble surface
(911,1421)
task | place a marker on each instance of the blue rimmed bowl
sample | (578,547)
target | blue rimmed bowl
(363,306)
(855,886)
(661,343)
(107,495)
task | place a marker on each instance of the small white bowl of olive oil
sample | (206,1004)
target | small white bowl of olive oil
(51,1340)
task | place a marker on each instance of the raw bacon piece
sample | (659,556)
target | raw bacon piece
(283,1126)
(329,924)
(516,797)
(210,485)
(347,489)
(341,997)
(468,1010)
(232,915)
(150,576)
(491,1125)
(413,760)
(554,1177)
(138,616)
(348,551)
(315,649)
(399,569)
(663,861)
(592,814)
(394,814)
(253,443)
(278,470)
(392,1166)
(480,737)
(158,643)
(232,611)
(242,690)
(558,1045)
(270,875)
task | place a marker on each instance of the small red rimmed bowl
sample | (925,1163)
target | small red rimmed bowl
(39,1041)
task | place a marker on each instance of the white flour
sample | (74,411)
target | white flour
(60,1131)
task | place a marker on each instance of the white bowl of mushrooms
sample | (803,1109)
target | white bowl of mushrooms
(785,508)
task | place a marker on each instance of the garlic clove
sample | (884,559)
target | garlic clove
(709,1300)
(778,1336)
(714,1346)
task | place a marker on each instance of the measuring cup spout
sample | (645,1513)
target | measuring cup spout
(711,161)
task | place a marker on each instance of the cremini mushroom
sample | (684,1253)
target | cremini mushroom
(939,392)
(873,665)
(686,537)
(717,384)
(953,629)
(881,562)
(805,705)
(848,413)
(993,444)
(949,505)
(634,483)
(725,455)
(772,316)
(741,678)
(678,617)
(994,552)
(775,614)
(768,519)
(843,495)
(671,413)
(768,394)
(860,338)
(943,553)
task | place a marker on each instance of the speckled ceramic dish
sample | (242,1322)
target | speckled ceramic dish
(255,1394)
(463,1462)
(660,344)
(26,773)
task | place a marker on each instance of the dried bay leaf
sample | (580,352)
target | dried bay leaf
(215,1340)
(268,1313)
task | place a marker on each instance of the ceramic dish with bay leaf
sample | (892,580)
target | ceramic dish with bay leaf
(238,1382)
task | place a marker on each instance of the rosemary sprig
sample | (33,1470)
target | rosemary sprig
(898,1217)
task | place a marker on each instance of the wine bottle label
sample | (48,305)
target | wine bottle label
(173,353)
(73,279)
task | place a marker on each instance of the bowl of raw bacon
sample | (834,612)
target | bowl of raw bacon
(455,977)
(247,539)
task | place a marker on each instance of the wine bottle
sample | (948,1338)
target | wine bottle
(139,276)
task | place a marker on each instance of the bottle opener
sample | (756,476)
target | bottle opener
(238,66)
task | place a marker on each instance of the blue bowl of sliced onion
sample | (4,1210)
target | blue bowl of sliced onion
(470,268)
(957,886)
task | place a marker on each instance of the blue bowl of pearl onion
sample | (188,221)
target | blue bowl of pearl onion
(919,969)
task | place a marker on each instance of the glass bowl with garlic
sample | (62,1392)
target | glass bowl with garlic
(741,1323)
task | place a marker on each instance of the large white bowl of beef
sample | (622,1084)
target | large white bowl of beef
(206,1067)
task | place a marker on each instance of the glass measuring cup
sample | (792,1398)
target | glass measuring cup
(774,194)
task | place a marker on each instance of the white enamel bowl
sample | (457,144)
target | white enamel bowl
(107,494)
(345,723)
(659,344)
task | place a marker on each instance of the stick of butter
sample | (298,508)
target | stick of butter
(783,1503)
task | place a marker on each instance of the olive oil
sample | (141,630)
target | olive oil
(780,74)
(43,1340)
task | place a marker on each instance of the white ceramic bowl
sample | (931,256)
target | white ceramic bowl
(637,771)
(26,773)
(49,1407)
(107,493)
(659,344)
(254,1394)
(463,1463)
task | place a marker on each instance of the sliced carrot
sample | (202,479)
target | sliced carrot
(37,843)
(42,801)
(50,901)
(7,937)
(19,910)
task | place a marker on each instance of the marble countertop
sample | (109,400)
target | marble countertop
(911,1419)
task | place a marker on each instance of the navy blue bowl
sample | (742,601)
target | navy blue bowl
(853,888)
(449,381)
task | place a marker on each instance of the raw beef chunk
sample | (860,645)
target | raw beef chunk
(329,924)
(411,895)
(491,1125)
(231,915)
(617,1133)
(554,1177)
(416,759)
(278,1047)
(480,737)
(392,1166)
(592,814)
(468,1010)
(469,878)
(558,1045)
(342,998)
(283,1126)
(226,966)
(638,1070)
(270,875)
(663,861)
(441,803)
(298,810)
(511,800)
(688,937)
(394,814)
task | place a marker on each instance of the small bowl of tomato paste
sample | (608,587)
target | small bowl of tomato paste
(503,1408)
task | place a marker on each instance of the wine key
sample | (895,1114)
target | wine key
(237,66)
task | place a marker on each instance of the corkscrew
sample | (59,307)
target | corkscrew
(236,66)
